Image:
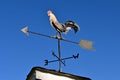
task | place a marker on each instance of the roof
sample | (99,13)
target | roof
(55,73)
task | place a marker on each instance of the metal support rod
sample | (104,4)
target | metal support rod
(39,34)
(53,37)
(59,53)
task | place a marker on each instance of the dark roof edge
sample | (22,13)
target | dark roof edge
(55,73)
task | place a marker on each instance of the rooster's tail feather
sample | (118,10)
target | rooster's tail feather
(71,24)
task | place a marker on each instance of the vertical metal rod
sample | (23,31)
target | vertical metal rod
(60,65)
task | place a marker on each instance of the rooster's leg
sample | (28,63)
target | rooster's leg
(58,35)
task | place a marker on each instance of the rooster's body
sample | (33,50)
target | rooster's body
(62,28)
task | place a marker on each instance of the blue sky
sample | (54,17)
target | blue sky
(99,21)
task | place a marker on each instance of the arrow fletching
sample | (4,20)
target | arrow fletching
(25,30)
(86,44)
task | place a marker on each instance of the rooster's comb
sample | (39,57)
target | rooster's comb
(49,11)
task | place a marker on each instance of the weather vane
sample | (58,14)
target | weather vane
(61,28)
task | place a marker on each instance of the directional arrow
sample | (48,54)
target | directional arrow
(83,43)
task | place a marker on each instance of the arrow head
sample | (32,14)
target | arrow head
(25,30)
